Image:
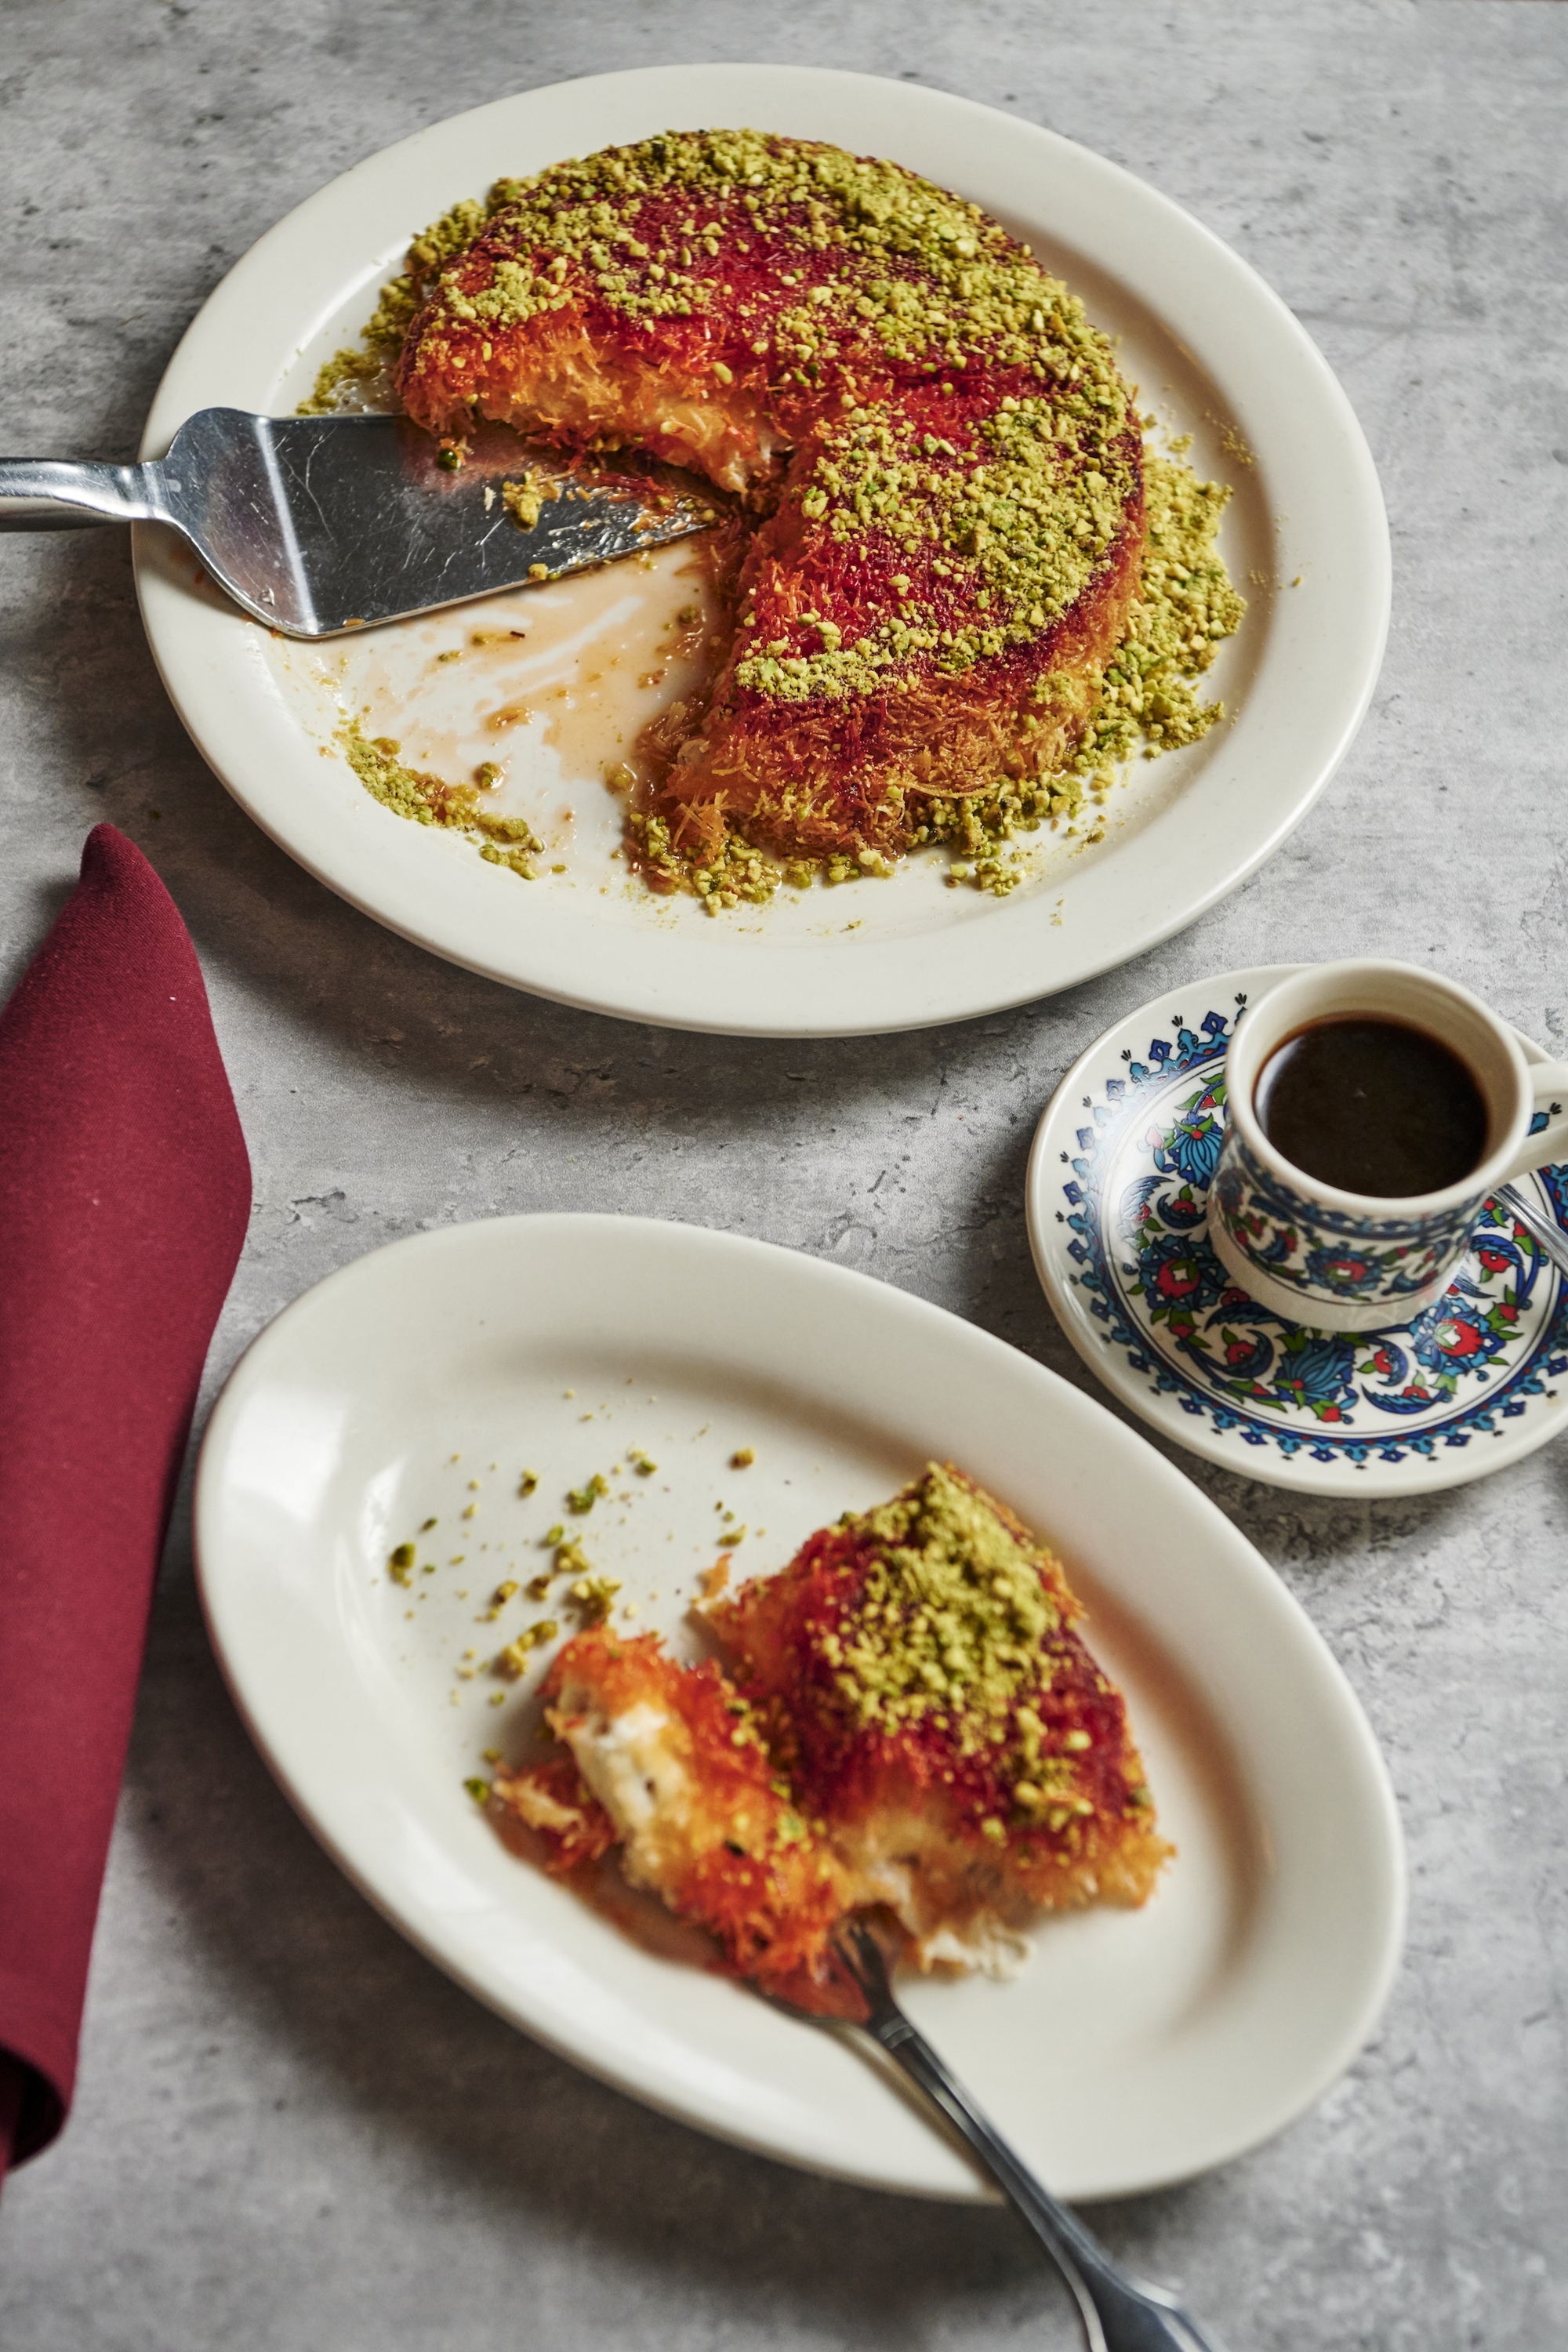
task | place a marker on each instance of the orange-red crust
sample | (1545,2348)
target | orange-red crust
(737,1860)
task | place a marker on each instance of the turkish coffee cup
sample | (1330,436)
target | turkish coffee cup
(1342,1260)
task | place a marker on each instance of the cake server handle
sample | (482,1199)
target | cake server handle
(1119,2313)
(60,494)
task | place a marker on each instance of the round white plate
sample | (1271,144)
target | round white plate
(1117,1194)
(1136,2047)
(1214,354)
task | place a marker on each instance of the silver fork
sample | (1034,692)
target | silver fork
(1119,2313)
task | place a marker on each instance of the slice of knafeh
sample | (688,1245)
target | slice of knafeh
(909,1722)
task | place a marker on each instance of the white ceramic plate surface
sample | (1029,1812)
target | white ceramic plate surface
(1214,354)
(1136,2047)
(1117,1195)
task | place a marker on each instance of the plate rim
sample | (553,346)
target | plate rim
(1312,1662)
(1373,1480)
(920,980)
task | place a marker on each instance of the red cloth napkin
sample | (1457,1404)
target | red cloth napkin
(124,1196)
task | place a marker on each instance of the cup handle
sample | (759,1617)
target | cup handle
(1548,1143)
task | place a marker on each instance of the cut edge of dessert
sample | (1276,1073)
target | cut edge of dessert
(968,591)
(906,1721)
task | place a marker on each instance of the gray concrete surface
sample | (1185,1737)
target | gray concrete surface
(292,2131)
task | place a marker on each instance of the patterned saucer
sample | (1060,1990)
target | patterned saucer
(1118,1181)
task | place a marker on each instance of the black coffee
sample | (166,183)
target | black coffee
(1373,1107)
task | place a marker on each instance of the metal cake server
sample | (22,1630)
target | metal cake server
(319,524)
(1119,2313)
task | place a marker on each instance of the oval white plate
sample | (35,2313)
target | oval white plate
(1214,354)
(1136,2047)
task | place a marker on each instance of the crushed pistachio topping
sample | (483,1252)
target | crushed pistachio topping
(347,373)
(733,875)
(582,1499)
(526,500)
(952,1610)
(427,799)
(958,1624)
(593,1596)
(1186,609)
(514,1659)
(1001,529)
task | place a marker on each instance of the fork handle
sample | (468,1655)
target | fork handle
(58,493)
(1119,2313)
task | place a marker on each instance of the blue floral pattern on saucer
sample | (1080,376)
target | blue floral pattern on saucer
(1119,1192)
